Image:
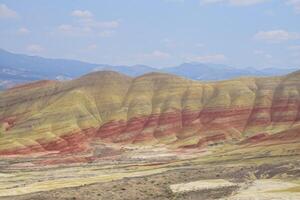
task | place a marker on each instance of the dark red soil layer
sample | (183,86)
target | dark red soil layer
(211,125)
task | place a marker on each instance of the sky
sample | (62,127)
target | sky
(159,33)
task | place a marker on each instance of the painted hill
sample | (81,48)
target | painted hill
(156,108)
(133,71)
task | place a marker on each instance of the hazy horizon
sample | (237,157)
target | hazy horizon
(153,66)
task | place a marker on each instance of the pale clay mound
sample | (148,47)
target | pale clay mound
(258,190)
(201,185)
(267,189)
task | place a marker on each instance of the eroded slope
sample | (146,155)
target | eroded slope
(67,117)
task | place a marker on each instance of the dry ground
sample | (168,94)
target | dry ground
(259,173)
(157,186)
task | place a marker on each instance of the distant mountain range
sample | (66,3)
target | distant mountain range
(214,72)
(19,68)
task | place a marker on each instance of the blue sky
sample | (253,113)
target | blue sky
(160,33)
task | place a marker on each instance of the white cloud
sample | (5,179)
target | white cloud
(276,36)
(233,2)
(157,55)
(175,1)
(295,51)
(92,47)
(99,28)
(85,25)
(246,2)
(6,12)
(213,58)
(23,31)
(90,22)
(263,54)
(82,13)
(74,30)
(106,33)
(295,4)
(270,13)
(65,27)
(200,45)
(205,2)
(35,48)
(169,43)
(160,54)
(294,48)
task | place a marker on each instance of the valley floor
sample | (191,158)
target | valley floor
(164,176)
